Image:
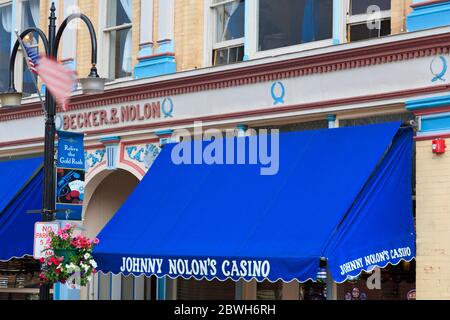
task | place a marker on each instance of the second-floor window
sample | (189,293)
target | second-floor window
(285,23)
(5,44)
(229,17)
(119,34)
(368,19)
(30,19)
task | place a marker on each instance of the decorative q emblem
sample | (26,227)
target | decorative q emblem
(278,95)
(438,68)
(167,112)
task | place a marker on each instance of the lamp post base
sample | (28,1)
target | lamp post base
(44,292)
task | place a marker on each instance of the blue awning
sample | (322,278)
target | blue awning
(20,190)
(331,198)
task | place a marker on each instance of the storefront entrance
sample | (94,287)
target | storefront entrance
(19,279)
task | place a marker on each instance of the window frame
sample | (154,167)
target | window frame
(254,35)
(19,63)
(5,3)
(250,40)
(104,64)
(212,44)
(356,19)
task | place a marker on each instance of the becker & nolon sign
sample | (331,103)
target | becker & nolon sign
(125,114)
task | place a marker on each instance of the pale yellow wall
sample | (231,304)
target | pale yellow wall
(189,34)
(135,33)
(89,8)
(433,223)
(399,11)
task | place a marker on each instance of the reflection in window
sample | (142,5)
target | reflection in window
(205,290)
(230,20)
(360,27)
(228,55)
(285,23)
(229,38)
(5,44)
(389,283)
(30,19)
(311,290)
(362,32)
(119,30)
(361,6)
(267,290)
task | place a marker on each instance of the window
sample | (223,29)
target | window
(30,19)
(395,283)
(5,44)
(240,30)
(267,290)
(229,19)
(290,22)
(118,32)
(205,290)
(369,19)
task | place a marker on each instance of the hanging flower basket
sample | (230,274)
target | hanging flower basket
(72,259)
(67,254)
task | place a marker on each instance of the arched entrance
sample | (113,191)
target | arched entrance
(105,197)
(105,193)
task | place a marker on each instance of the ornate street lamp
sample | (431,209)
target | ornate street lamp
(93,84)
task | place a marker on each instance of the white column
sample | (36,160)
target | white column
(166,26)
(166,20)
(146,36)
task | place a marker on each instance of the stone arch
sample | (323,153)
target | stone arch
(104,195)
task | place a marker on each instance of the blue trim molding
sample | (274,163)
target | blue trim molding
(337,21)
(165,136)
(428,103)
(109,140)
(436,123)
(165,46)
(247,31)
(156,65)
(164,132)
(429,15)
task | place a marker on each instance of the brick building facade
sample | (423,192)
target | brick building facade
(213,61)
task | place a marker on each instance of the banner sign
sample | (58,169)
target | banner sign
(70,173)
(41,238)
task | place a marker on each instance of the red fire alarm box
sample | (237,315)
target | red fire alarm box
(439,146)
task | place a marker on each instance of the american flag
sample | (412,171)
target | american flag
(32,58)
(57,78)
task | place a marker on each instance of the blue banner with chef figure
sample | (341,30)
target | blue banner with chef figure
(70,174)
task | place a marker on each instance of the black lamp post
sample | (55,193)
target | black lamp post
(91,85)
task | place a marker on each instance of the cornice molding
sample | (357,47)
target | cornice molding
(322,63)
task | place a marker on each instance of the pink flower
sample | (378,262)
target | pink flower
(64,236)
(96,241)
